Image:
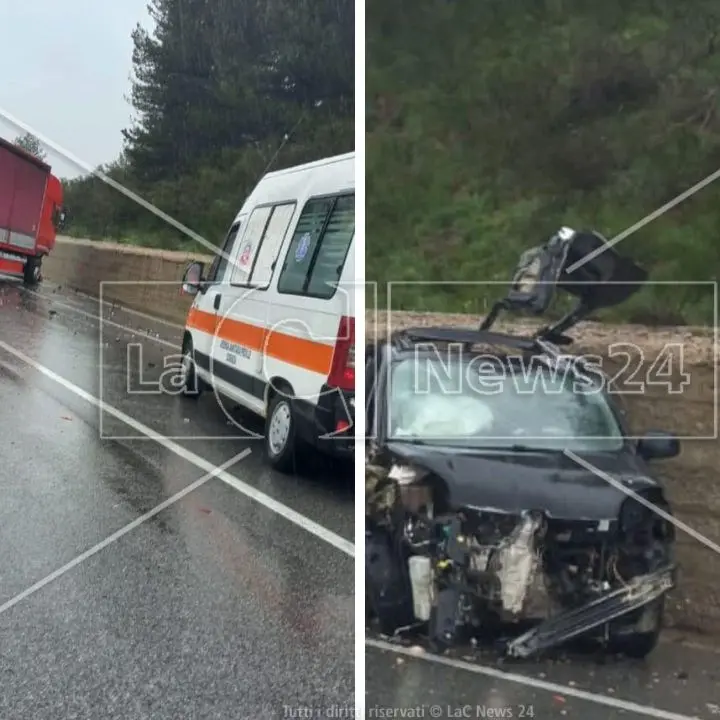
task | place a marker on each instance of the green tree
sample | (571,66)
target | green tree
(491,124)
(31,144)
(234,73)
(221,92)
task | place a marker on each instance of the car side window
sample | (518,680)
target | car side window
(219,264)
(318,250)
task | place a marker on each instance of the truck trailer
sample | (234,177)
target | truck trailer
(31,212)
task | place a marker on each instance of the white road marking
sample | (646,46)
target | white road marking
(270,503)
(538,684)
(122,531)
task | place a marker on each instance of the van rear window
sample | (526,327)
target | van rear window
(318,250)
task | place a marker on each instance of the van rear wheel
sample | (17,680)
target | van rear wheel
(281,442)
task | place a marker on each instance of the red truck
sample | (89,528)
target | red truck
(31,212)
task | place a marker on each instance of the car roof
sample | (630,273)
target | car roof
(538,361)
(427,341)
(505,348)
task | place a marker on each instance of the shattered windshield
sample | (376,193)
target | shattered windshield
(463,403)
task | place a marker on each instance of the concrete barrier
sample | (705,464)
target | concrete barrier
(151,283)
(143,279)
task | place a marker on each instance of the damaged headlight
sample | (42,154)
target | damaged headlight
(633,515)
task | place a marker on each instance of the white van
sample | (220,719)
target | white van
(272,325)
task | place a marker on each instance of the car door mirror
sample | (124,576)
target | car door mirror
(193,278)
(658,445)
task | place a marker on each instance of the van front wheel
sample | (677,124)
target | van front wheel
(280,438)
(189,381)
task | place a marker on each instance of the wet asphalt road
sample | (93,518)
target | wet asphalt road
(680,680)
(219,607)
(216,607)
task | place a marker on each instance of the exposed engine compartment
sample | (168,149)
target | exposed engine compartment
(444,568)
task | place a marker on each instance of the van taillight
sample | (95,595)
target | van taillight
(342,371)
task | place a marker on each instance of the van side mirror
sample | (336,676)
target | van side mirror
(193,278)
(658,445)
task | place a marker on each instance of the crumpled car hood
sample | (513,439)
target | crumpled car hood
(512,483)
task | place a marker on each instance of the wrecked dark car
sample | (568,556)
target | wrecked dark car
(525,503)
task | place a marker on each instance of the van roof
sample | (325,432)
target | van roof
(291,177)
(314,164)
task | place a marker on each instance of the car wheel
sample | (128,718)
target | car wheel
(190,382)
(388,592)
(638,644)
(280,439)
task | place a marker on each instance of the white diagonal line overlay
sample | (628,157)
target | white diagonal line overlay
(643,501)
(122,531)
(12,120)
(647,219)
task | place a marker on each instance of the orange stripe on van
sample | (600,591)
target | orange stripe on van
(205,322)
(301,352)
(306,353)
(242,333)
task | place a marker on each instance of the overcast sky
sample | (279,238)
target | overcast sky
(66,72)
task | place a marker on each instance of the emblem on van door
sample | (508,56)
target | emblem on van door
(245,255)
(302,247)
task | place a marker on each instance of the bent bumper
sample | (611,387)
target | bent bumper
(637,593)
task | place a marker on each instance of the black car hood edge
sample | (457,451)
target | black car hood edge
(513,482)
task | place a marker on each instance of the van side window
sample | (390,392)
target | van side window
(219,264)
(317,252)
(261,245)
(334,245)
